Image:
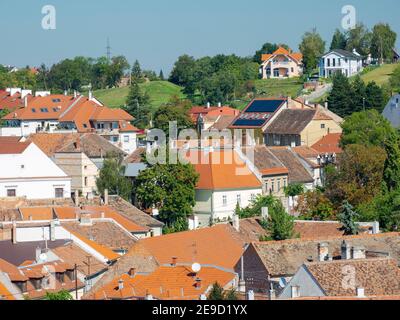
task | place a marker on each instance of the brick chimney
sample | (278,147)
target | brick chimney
(106,197)
(174,261)
(358,252)
(14,232)
(197,283)
(120,284)
(323,251)
(132,272)
(345,251)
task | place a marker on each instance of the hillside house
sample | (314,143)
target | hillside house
(281,64)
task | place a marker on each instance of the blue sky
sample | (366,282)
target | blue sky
(157,31)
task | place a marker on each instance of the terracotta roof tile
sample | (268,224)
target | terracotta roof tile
(329,144)
(9,147)
(41,213)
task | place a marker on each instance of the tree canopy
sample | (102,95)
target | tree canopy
(312,47)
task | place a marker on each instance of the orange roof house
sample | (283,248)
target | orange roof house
(172,282)
(282,63)
(328,144)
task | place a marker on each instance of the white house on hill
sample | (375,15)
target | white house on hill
(338,60)
(25,171)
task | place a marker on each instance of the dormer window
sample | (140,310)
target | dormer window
(33,110)
(44,110)
(22,286)
(56,100)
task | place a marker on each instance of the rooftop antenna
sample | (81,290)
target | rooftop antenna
(108,49)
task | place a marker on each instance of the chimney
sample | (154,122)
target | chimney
(76,198)
(77,143)
(203,297)
(26,102)
(65,92)
(250,295)
(358,253)
(326,105)
(323,251)
(120,284)
(102,215)
(197,283)
(264,213)
(236,222)
(75,94)
(132,272)
(174,260)
(38,252)
(148,296)
(106,197)
(360,293)
(52,230)
(219,105)
(90,95)
(208,105)
(14,232)
(345,251)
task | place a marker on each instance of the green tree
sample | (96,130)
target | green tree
(61,295)
(255,207)
(175,110)
(116,70)
(383,41)
(339,40)
(280,224)
(312,47)
(169,188)
(218,293)
(182,73)
(359,38)
(358,94)
(375,97)
(136,73)
(314,205)
(391,174)
(340,98)
(112,177)
(161,75)
(348,217)
(395,80)
(294,189)
(137,105)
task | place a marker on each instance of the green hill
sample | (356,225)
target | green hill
(380,74)
(159,91)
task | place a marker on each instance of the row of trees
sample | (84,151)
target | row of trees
(379,42)
(348,96)
(76,74)
(213,79)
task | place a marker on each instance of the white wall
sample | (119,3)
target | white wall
(32,174)
(130,145)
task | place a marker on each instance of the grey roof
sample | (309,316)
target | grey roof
(133,169)
(285,257)
(298,173)
(93,145)
(291,121)
(263,157)
(345,53)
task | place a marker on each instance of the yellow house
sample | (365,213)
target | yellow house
(300,127)
(281,64)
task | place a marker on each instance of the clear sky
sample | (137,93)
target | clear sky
(156,32)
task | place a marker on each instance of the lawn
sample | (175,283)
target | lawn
(279,87)
(380,75)
(160,92)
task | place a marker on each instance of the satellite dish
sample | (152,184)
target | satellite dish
(43,257)
(196,267)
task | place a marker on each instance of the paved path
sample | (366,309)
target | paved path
(320,92)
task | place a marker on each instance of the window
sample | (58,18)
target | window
(272,186)
(329,62)
(86,181)
(11,192)
(284,183)
(252,197)
(279,185)
(238,199)
(33,110)
(59,192)
(224,201)
(126,138)
(266,186)
(44,110)
(85,167)
(114,139)
(323,126)
(295,291)
(334,62)
(292,69)
(56,100)
(85,125)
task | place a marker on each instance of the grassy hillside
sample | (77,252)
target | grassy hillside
(159,91)
(279,87)
(380,75)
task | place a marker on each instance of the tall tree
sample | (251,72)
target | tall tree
(169,188)
(358,94)
(182,73)
(280,224)
(137,105)
(136,73)
(312,47)
(383,42)
(112,177)
(375,97)
(339,40)
(348,217)
(359,38)
(161,75)
(340,99)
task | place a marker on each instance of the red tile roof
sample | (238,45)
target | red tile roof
(329,144)
(297,56)
(9,147)
(212,111)
(222,169)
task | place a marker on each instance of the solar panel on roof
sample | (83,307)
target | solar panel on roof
(248,123)
(264,106)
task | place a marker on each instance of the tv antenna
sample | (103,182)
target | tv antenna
(108,49)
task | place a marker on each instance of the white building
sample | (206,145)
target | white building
(338,60)
(392,111)
(25,171)
(225,181)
